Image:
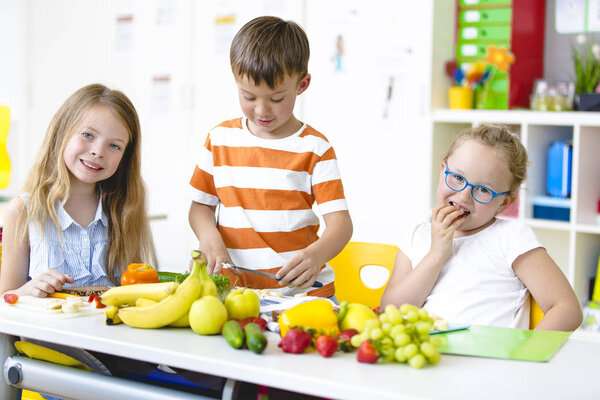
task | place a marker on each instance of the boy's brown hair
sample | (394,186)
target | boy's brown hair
(267,49)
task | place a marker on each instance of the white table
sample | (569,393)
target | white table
(572,372)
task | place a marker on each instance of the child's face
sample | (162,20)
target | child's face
(96,148)
(479,165)
(270,112)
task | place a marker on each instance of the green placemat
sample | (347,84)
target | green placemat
(509,343)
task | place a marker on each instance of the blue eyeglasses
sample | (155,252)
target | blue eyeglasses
(480,193)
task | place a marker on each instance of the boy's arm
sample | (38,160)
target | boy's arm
(302,269)
(551,289)
(202,221)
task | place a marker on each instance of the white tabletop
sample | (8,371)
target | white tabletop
(570,374)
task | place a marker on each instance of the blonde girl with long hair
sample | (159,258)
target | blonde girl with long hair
(81,216)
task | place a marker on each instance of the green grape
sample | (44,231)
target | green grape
(386,342)
(399,355)
(386,327)
(388,354)
(389,309)
(434,358)
(383,318)
(397,329)
(405,308)
(417,361)
(423,314)
(428,349)
(402,339)
(395,317)
(372,323)
(436,341)
(410,328)
(422,327)
(423,337)
(410,350)
(412,316)
(356,340)
(376,333)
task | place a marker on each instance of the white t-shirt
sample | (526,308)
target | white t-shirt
(477,284)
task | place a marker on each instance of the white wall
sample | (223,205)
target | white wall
(62,45)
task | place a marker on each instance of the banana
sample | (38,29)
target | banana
(173,307)
(128,294)
(143,302)
(111,316)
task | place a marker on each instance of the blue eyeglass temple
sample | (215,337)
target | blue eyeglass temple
(467,184)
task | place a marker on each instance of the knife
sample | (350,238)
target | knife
(317,284)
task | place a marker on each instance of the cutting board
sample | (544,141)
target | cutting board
(39,305)
(507,343)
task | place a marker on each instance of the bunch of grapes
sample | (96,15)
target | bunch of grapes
(402,335)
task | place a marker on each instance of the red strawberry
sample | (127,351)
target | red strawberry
(261,322)
(367,353)
(11,298)
(344,339)
(295,341)
(326,345)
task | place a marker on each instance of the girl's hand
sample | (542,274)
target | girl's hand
(444,222)
(46,283)
(301,270)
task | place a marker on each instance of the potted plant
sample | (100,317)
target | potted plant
(586,62)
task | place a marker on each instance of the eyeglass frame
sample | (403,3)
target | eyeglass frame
(467,184)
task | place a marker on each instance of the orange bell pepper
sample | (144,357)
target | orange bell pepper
(139,273)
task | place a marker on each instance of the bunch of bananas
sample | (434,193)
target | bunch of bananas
(154,305)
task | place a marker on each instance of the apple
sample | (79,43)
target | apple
(207,316)
(242,303)
(356,316)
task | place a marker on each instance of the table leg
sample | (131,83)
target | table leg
(7,349)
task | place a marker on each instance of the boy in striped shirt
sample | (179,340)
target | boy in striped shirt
(262,173)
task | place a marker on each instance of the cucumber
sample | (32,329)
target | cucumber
(165,276)
(233,334)
(255,340)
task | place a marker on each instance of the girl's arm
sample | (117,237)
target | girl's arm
(202,221)
(302,269)
(551,289)
(408,285)
(15,250)
(15,259)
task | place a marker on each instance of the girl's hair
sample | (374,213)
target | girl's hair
(267,49)
(123,194)
(504,143)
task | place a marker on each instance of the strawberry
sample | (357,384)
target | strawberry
(295,341)
(261,322)
(326,345)
(344,339)
(11,298)
(367,353)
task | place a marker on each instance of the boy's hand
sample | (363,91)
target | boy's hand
(46,283)
(216,254)
(301,270)
(444,222)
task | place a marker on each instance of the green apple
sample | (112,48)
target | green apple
(242,303)
(207,316)
(356,316)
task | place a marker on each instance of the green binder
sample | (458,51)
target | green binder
(507,343)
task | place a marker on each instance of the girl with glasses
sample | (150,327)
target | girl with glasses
(467,265)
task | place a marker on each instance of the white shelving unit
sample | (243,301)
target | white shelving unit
(574,245)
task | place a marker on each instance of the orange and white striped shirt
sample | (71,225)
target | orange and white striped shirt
(264,190)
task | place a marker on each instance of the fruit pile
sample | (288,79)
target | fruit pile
(188,302)
(396,335)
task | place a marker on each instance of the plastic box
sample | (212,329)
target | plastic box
(556,208)
(558,178)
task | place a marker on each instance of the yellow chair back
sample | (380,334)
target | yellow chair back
(4,160)
(535,313)
(347,266)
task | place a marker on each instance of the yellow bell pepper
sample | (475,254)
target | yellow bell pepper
(316,314)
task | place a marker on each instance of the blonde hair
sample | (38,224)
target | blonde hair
(504,143)
(123,194)
(267,49)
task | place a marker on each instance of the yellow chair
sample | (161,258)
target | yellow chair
(347,266)
(535,313)
(4,160)
(29,395)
